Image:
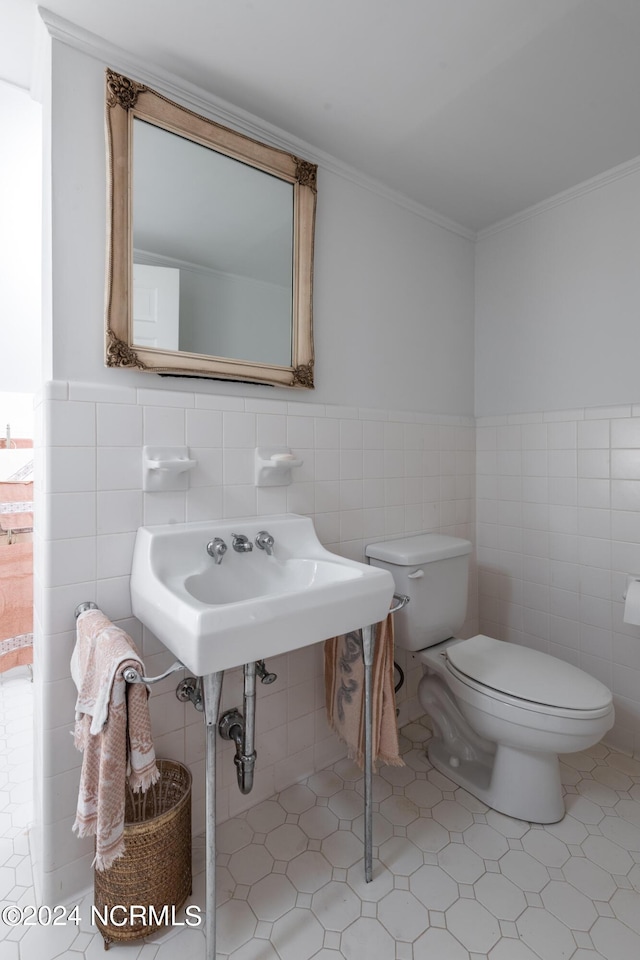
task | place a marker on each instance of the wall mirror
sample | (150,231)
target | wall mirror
(210,266)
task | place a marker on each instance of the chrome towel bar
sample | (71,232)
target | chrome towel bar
(131,675)
(83,607)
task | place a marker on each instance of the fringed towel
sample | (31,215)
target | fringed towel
(113,731)
(344,691)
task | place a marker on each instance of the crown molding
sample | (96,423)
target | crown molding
(221,111)
(567,196)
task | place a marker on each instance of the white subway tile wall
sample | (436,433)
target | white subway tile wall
(367,475)
(557,498)
(558,511)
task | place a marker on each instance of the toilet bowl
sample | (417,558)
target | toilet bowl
(501,712)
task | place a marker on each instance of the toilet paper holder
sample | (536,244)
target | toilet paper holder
(631,612)
(630,579)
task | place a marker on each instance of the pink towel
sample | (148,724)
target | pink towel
(113,731)
(344,692)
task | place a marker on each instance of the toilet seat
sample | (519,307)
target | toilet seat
(521,676)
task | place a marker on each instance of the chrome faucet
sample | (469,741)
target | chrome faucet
(240,543)
(264,541)
(217,548)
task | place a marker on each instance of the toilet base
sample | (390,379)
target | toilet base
(522,785)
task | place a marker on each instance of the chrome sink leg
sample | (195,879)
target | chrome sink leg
(368,649)
(212,684)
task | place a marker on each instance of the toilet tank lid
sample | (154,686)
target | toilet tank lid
(423,548)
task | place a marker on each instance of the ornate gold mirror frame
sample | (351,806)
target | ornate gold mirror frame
(127,100)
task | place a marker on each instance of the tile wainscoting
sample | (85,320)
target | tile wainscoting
(367,475)
(558,530)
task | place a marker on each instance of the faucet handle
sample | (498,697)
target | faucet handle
(217,548)
(264,541)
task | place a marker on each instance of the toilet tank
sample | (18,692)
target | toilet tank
(433,570)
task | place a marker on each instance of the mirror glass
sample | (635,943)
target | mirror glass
(211,246)
(220,231)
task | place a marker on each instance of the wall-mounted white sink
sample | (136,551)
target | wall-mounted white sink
(250,606)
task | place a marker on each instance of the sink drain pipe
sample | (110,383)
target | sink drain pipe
(241,728)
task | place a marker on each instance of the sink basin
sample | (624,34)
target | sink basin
(250,606)
(260,579)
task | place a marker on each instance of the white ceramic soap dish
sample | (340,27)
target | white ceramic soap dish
(166,468)
(274,466)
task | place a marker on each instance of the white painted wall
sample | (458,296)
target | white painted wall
(393,292)
(20,239)
(557,299)
(393,305)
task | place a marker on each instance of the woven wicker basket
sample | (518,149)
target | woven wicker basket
(156,867)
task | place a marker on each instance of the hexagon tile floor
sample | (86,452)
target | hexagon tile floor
(453,880)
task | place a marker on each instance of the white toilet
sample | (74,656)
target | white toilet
(501,712)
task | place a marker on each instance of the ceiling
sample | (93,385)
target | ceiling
(476,109)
